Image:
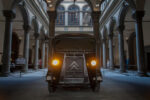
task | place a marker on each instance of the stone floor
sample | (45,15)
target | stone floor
(116,86)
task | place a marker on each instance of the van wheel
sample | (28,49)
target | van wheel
(97,87)
(51,88)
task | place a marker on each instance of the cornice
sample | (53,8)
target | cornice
(37,10)
(109,12)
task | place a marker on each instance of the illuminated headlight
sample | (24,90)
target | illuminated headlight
(55,62)
(93,62)
(48,78)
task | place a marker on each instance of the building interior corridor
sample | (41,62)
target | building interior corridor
(32,32)
(120,26)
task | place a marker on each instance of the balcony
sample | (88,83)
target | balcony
(74,29)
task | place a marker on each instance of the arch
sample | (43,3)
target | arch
(59,1)
(111,26)
(104,33)
(136,5)
(122,14)
(10,4)
(25,14)
(131,4)
(60,8)
(73,15)
(73,7)
(43,30)
(60,20)
(87,19)
(86,8)
(36,25)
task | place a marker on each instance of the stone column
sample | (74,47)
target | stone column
(121,49)
(101,55)
(47,62)
(66,18)
(26,46)
(98,52)
(104,54)
(43,54)
(138,16)
(36,55)
(6,58)
(52,18)
(81,18)
(111,56)
(96,16)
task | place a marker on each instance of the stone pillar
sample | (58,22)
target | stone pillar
(96,16)
(26,46)
(138,16)
(66,18)
(43,54)
(101,55)
(104,54)
(6,58)
(47,62)
(121,49)
(52,18)
(111,56)
(98,52)
(81,18)
(36,55)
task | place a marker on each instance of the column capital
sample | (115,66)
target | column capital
(138,15)
(96,16)
(52,15)
(47,38)
(37,35)
(98,41)
(121,28)
(27,28)
(104,40)
(44,40)
(110,36)
(9,14)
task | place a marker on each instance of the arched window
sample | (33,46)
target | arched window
(87,19)
(74,15)
(60,16)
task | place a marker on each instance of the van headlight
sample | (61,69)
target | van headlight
(93,63)
(55,62)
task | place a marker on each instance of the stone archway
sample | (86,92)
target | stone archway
(15,47)
(132,51)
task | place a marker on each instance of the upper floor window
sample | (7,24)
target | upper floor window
(60,15)
(73,15)
(87,19)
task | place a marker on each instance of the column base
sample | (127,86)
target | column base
(143,74)
(112,68)
(104,67)
(24,70)
(122,71)
(4,74)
